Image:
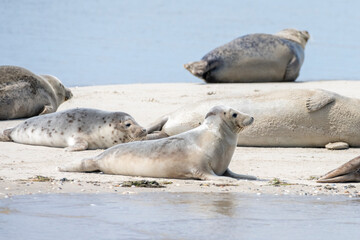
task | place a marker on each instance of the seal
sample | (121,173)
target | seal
(24,94)
(77,129)
(284,118)
(202,153)
(254,58)
(348,172)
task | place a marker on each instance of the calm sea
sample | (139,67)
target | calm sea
(179,216)
(96,42)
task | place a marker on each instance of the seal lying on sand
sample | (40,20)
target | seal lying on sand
(24,94)
(254,58)
(284,118)
(201,153)
(77,129)
(348,172)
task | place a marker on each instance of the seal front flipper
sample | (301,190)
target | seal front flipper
(158,125)
(47,109)
(337,146)
(231,174)
(348,172)
(156,135)
(292,70)
(77,145)
(319,100)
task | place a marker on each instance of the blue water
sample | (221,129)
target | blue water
(96,42)
(179,216)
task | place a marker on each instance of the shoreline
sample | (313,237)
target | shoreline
(295,168)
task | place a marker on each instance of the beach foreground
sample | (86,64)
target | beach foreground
(28,169)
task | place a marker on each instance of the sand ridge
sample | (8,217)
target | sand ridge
(281,170)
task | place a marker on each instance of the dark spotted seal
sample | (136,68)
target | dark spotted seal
(254,58)
(77,129)
(24,94)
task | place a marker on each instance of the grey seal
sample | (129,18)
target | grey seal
(201,153)
(77,129)
(254,58)
(348,172)
(284,118)
(24,94)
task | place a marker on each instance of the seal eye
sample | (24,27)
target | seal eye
(128,125)
(234,115)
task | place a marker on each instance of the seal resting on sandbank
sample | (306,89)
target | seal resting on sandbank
(77,129)
(24,94)
(254,58)
(201,153)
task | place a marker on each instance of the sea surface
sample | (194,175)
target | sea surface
(97,42)
(179,216)
(93,42)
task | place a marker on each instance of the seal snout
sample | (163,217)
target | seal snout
(248,121)
(68,94)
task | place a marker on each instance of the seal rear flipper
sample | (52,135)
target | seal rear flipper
(158,125)
(78,145)
(319,100)
(201,68)
(231,174)
(5,135)
(84,165)
(351,177)
(347,172)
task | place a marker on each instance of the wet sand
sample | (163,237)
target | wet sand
(296,168)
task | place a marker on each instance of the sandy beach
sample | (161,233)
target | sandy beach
(294,168)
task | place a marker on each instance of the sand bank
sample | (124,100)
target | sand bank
(295,167)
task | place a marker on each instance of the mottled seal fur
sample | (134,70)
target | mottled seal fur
(77,129)
(254,58)
(284,118)
(201,153)
(24,94)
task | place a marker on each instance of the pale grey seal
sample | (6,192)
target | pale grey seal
(25,94)
(201,153)
(254,58)
(284,118)
(77,129)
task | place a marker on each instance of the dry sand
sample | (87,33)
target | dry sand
(146,102)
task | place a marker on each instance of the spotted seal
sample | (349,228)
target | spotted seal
(24,94)
(254,58)
(77,129)
(201,153)
(284,118)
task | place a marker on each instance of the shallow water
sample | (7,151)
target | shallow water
(178,216)
(132,41)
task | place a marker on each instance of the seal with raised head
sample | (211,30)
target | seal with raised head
(77,129)
(348,172)
(24,94)
(284,118)
(201,153)
(254,58)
